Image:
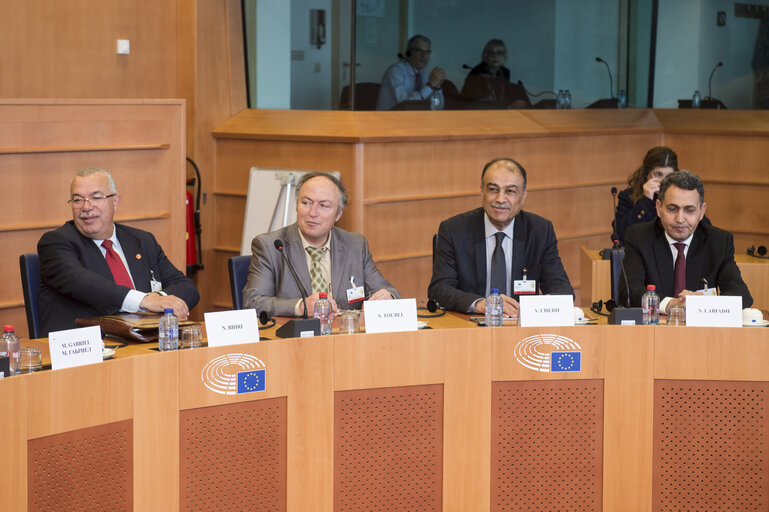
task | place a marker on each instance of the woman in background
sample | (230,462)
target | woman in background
(637,203)
(490,80)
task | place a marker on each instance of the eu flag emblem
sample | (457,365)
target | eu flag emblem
(565,361)
(251,381)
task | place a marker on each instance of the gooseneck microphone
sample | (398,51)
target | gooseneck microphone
(710,80)
(624,275)
(620,315)
(279,247)
(611,80)
(615,235)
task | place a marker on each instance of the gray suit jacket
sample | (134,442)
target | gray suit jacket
(271,288)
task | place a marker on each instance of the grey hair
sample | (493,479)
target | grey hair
(88,171)
(412,42)
(684,180)
(310,175)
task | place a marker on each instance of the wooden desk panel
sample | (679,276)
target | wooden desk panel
(152,390)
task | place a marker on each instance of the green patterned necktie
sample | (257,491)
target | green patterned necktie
(316,273)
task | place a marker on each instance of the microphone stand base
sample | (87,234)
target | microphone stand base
(619,315)
(299,328)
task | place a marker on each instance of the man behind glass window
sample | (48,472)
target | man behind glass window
(409,79)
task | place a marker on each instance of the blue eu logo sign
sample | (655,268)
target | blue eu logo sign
(566,361)
(251,381)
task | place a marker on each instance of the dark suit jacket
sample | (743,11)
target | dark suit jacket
(459,266)
(75,280)
(649,260)
(271,288)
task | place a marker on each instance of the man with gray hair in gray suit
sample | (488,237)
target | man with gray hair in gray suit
(326,258)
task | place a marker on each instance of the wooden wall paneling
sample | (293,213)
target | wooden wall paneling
(735,208)
(13,431)
(467,417)
(629,414)
(569,250)
(707,122)
(64,400)
(156,388)
(220,297)
(409,276)
(405,229)
(755,273)
(232,210)
(69,51)
(595,277)
(711,354)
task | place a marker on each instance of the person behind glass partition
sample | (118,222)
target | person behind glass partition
(408,79)
(489,81)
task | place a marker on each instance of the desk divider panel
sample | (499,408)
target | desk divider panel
(388,449)
(86,469)
(711,446)
(234,454)
(547,445)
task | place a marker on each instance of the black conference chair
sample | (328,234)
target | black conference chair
(30,283)
(238,267)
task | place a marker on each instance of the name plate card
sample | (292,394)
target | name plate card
(713,311)
(546,310)
(390,315)
(75,347)
(231,327)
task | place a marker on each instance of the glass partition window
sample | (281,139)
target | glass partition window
(506,54)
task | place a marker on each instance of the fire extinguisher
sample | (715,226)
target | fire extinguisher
(194,256)
(192,253)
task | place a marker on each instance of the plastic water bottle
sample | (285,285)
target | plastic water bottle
(168,328)
(622,100)
(322,312)
(650,304)
(494,305)
(436,100)
(696,100)
(567,99)
(559,99)
(10,346)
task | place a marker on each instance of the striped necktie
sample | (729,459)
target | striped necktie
(316,272)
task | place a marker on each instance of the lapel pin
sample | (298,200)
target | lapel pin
(138,256)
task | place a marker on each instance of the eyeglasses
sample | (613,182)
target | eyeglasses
(423,52)
(78,201)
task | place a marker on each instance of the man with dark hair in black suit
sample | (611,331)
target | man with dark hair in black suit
(91,266)
(496,245)
(703,254)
